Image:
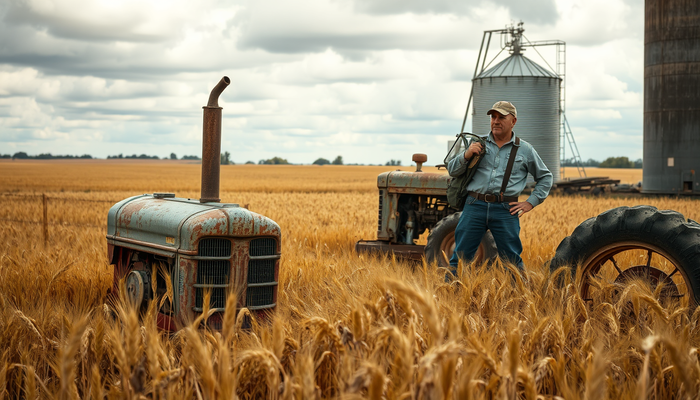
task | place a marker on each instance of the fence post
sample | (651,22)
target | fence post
(46,221)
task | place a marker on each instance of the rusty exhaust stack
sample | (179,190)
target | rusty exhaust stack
(211,144)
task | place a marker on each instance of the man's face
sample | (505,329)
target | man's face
(502,124)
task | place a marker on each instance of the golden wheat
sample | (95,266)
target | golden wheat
(347,325)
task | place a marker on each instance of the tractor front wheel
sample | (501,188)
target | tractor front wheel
(441,243)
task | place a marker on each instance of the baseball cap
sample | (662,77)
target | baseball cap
(503,107)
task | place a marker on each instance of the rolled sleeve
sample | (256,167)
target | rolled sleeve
(543,179)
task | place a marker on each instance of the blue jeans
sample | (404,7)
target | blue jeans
(478,217)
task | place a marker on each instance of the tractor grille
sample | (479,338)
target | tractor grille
(213,272)
(259,295)
(214,269)
(218,297)
(379,223)
(262,247)
(215,247)
(261,271)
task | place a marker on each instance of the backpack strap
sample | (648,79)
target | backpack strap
(509,168)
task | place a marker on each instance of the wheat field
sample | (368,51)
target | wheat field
(346,326)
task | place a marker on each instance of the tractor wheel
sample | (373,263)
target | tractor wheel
(628,243)
(442,239)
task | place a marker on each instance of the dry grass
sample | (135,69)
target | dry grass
(347,326)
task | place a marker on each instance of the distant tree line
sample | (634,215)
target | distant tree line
(610,162)
(274,161)
(43,156)
(322,161)
(141,157)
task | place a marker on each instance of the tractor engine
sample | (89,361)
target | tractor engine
(181,251)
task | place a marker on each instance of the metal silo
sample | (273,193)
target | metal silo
(672,97)
(535,92)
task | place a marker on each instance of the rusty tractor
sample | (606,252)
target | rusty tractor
(181,251)
(411,202)
(659,247)
(624,244)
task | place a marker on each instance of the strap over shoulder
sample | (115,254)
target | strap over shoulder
(509,167)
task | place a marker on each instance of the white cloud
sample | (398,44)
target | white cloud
(371,81)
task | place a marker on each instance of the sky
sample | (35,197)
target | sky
(369,80)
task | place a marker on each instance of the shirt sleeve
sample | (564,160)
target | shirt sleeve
(457,165)
(543,178)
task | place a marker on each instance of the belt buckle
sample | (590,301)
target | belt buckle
(490,198)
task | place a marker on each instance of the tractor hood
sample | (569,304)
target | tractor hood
(175,225)
(413,182)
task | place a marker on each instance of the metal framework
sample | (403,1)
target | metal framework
(512,39)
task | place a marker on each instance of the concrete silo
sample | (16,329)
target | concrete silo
(534,90)
(672,97)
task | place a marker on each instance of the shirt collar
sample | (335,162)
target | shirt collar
(492,140)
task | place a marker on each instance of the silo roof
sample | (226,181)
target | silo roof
(517,65)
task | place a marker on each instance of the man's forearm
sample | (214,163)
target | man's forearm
(457,165)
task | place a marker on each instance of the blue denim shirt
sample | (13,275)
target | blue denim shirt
(489,175)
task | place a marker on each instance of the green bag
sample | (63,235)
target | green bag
(457,186)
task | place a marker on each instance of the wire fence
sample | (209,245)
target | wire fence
(45,222)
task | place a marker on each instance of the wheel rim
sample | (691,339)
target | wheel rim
(447,246)
(619,263)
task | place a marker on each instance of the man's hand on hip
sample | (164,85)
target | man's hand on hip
(520,207)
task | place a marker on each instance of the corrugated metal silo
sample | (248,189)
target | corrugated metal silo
(535,92)
(672,97)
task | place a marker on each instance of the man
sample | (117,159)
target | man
(485,209)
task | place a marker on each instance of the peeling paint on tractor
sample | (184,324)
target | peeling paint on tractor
(147,229)
(406,181)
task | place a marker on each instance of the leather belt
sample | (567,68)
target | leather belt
(493,198)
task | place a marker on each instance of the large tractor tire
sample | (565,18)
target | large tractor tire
(442,239)
(636,242)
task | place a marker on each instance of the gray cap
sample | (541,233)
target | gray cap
(504,108)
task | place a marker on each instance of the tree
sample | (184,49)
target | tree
(20,155)
(617,162)
(338,160)
(226,158)
(274,161)
(393,162)
(173,156)
(321,161)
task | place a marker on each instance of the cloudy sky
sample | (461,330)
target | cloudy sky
(370,80)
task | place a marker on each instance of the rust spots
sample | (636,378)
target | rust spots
(417,182)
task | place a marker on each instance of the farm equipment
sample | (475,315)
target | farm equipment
(628,243)
(411,202)
(181,251)
(595,185)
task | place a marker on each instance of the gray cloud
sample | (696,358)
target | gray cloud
(539,11)
(116,27)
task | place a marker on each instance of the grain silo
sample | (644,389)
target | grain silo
(672,97)
(534,90)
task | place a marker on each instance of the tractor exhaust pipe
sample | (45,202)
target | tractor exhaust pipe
(211,144)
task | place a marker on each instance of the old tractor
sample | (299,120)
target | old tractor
(659,247)
(623,244)
(181,251)
(411,202)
